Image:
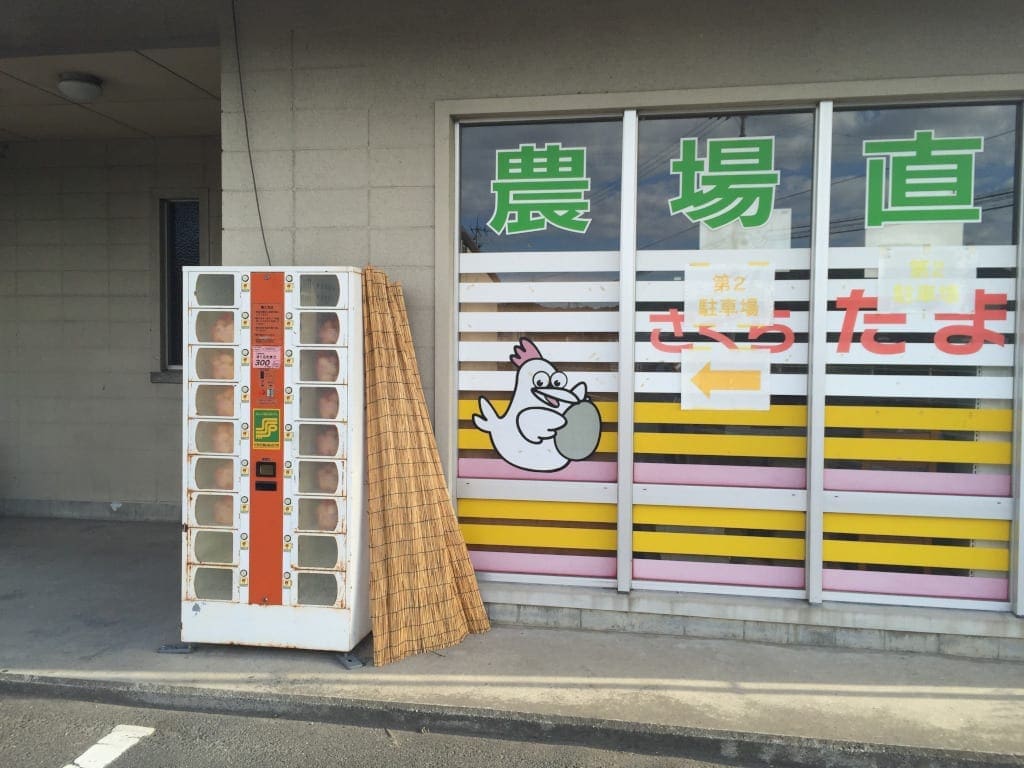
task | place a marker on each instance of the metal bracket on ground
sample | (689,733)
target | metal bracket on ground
(176,648)
(349,660)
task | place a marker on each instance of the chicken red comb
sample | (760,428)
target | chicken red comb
(523,351)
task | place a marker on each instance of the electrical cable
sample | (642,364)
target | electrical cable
(245,125)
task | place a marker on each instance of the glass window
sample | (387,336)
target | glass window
(317,589)
(179,224)
(319,291)
(921,161)
(319,328)
(321,403)
(540,186)
(714,181)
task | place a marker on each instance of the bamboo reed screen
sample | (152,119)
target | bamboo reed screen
(423,591)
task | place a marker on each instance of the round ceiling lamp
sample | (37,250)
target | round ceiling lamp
(79,87)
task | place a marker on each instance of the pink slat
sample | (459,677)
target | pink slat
(916,584)
(777,576)
(547,565)
(580,471)
(958,484)
(715,474)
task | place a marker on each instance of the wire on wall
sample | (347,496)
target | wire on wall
(245,125)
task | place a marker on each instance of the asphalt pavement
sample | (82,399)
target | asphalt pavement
(84,606)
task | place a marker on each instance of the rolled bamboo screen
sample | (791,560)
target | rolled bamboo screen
(423,591)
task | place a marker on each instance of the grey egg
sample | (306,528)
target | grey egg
(578,438)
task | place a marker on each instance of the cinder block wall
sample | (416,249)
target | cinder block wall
(340,96)
(85,431)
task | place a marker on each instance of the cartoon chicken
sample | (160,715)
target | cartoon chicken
(547,424)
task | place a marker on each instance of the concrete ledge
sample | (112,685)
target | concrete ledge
(974,634)
(692,743)
(136,512)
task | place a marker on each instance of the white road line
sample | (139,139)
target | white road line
(110,747)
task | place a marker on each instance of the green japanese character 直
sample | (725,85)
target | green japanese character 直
(736,181)
(535,187)
(922,179)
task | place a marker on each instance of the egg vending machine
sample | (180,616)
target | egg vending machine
(274,548)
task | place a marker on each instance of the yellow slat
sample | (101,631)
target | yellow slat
(925,555)
(718,545)
(609,411)
(671,413)
(577,512)
(773,446)
(883,449)
(538,537)
(934,527)
(476,439)
(883,417)
(718,517)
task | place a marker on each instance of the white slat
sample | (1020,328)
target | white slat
(525,323)
(867,257)
(921,354)
(536,490)
(531,261)
(646,353)
(505,381)
(669,382)
(553,351)
(501,293)
(713,496)
(919,505)
(918,324)
(837,288)
(668,261)
(797,321)
(673,290)
(935,387)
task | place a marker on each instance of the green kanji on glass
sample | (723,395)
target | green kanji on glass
(537,186)
(736,181)
(922,179)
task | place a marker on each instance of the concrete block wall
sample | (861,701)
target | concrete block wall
(86,433)
(340,97)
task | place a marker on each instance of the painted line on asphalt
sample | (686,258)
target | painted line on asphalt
(110,747)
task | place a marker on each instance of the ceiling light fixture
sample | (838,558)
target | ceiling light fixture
(79,87)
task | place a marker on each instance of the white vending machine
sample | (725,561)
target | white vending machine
(274,547)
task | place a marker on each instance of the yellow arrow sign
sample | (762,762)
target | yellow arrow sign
(707,380)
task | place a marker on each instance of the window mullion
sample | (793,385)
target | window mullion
(818,325)
(627,345)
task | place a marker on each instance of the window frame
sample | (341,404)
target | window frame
(162,371)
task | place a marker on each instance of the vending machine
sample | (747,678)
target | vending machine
(274,539)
